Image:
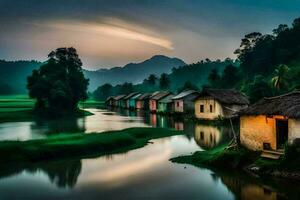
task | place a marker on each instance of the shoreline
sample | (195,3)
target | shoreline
(241,160)
(80,145)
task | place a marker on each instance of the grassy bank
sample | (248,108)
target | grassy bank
(80,145)
(20,108)
(242,159)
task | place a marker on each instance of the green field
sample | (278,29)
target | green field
(80,145)
(20,107)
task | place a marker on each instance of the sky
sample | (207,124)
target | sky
(108,33)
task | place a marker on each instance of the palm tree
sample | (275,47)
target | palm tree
(280,78)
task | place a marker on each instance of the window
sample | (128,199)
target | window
(177,103)
(210,108)
(202,108)
(202,135)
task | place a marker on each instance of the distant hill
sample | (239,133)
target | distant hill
(133,72)
(14,75)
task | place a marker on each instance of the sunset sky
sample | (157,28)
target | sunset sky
(115,32)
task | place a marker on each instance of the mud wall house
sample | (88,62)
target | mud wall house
(165,104)
(153,102)
(212,104)
(142,102)
(133,100)
(109,101)
(126,100)
(117,100)
(271,122)
(184,101)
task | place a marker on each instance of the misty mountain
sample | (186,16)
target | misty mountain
(133,72)
(14,75)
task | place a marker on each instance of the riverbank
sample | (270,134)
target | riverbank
(80,145)
(15,108)
(241,159)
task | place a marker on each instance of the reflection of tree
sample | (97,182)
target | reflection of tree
(62,173)
(66,125)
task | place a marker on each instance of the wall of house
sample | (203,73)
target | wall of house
(152,105)
(294,129)
(178,105)
(216,112)
(139,104)
(256,130)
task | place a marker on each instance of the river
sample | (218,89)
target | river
(144,173)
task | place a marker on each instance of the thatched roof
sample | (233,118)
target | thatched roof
(167,99)
(144,96)
(225,96)
(160,95)
(119,97)
(184,94)
(130,95)
(286,105)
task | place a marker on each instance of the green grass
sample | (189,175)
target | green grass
(219,157)
(80,145)
(91,103)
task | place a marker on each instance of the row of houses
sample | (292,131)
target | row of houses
(265,126)
(208,104)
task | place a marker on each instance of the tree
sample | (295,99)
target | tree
(59,84)
(230,76)
(152,79)
(103,92)
(126,88)
(188,86)
(280,79)
(258,89)
(280,29)
(214,78)
(164,82)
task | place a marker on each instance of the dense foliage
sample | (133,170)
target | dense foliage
(59,84)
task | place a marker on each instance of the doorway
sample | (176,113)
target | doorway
(282,130)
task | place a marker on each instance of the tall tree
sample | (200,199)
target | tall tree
(103,92)
(280,78)
(59,84)
(152,79)
(164,82)
(230,76)
(214,78)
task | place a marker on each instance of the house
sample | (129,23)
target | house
(219,103)
(165,104)
(206,136)
(142,102)
(125,100)
(184,101)
(117,101)
(109,101)
(271,122)
(133,100)
(153,102)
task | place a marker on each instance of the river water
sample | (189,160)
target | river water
(144,173)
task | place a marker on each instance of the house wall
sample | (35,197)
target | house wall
(178,105)
(152,105)
(256,130)
(139,104)
(217,109)
(294,129)
(162,107)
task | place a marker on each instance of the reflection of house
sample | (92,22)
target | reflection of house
(219,103)
(142,102)
(165,105)
(184,101)
(207,136)
(125,100)
(153,102)
(179,126)
(271,122)
(133,100)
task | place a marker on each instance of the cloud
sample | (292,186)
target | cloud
(114,28)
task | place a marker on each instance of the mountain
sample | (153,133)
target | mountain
(133,72)
(14,75)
